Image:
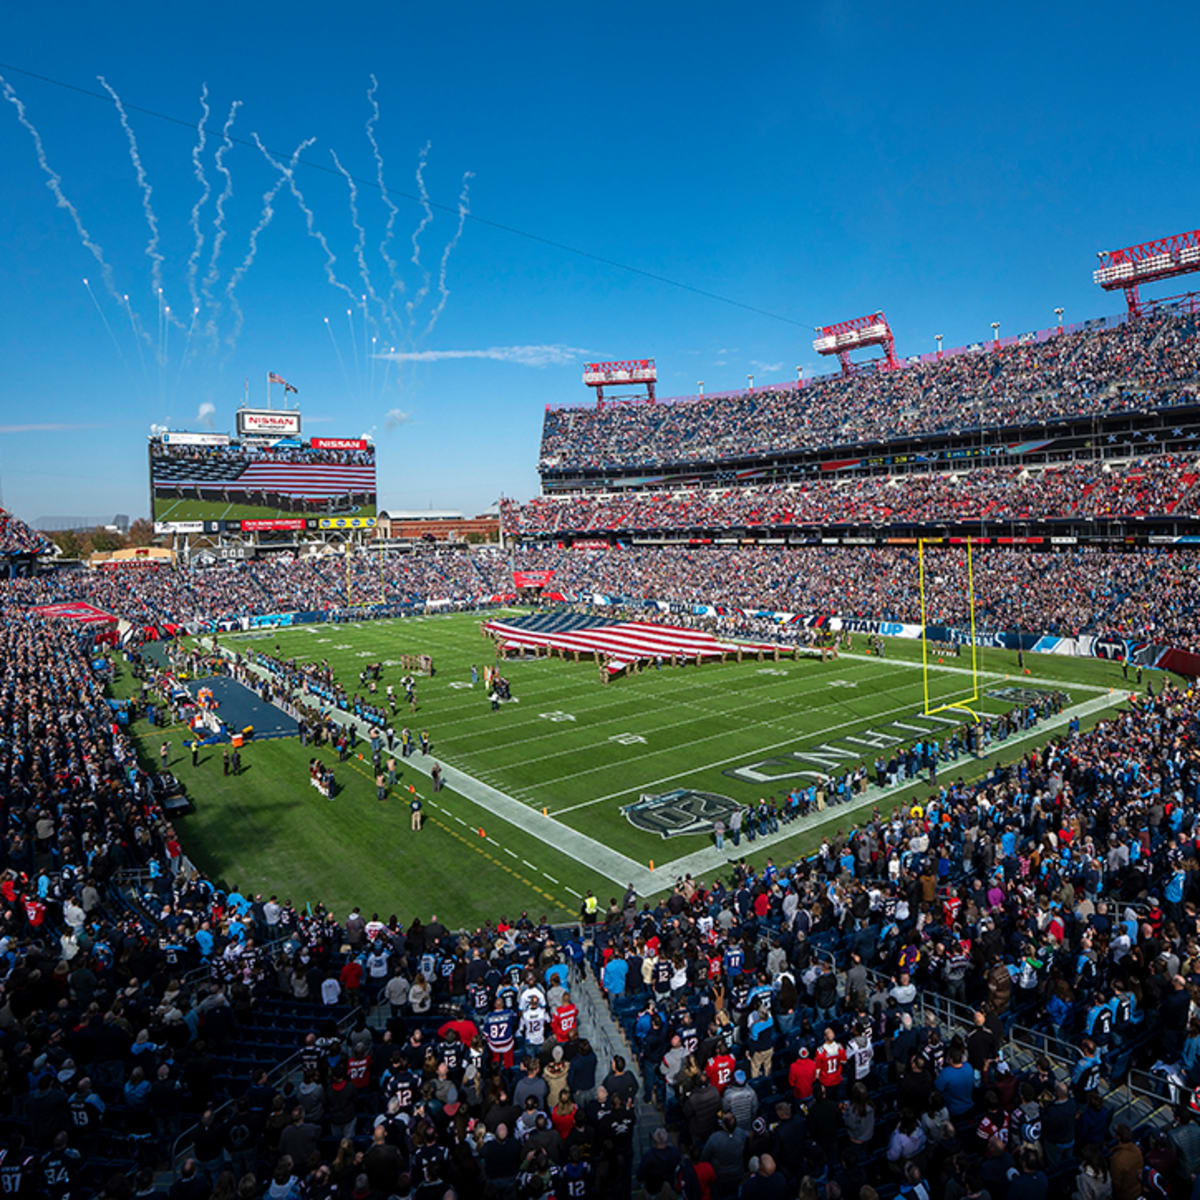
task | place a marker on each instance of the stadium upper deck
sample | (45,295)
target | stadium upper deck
(1104,368)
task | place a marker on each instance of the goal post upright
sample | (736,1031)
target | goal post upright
(349,551)
(974,696)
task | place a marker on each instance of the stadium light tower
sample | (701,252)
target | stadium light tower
(1126,270)
(845,336)
(637,372)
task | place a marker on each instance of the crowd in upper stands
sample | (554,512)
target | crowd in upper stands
(1162,485)
(1149,363)
(18,538)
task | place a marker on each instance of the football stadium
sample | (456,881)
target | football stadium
(791,791)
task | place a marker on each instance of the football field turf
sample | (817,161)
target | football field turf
(190,509)
(534,811)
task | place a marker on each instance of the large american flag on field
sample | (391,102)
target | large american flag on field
(619,643)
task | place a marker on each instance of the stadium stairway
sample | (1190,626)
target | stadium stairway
(608,1038)
(1140,1100)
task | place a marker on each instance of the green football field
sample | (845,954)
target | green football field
(533,812)
(191,509)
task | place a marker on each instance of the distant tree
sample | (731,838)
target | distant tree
(141,533)
(105,539)
(67,540)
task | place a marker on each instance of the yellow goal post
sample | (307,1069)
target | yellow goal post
(364,581)
(974,696)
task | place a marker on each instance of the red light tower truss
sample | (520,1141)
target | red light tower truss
(845,336)
(1125,270)
(637,372)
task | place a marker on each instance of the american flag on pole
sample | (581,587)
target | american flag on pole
(287,387)
(619,643)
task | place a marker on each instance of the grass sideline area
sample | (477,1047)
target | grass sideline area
(570,746)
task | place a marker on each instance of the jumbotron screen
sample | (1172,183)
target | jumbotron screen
(204,477)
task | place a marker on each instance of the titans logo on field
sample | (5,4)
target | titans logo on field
(670,814)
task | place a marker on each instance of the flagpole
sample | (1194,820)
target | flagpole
(268,389)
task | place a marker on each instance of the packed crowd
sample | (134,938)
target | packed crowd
(132,1011)
(1151,594)
(782,1018)
(18,538)
(1153,362)
(1162,485)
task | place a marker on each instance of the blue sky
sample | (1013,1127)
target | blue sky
(954,166)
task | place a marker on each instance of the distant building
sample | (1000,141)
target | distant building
(437,525)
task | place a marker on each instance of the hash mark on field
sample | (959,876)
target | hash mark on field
(549,877)
(529,864)
(509,852)
(577,895)
(460,820)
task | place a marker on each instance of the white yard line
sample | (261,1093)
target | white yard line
(763,693)
(621,869)
(712,859)
(816,736)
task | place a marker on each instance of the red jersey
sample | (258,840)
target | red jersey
(352,975)
(565,1019)
(358,1071)
(720,1070)
(831,1057)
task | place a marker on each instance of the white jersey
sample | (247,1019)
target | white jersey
(533,1025)
(862,1051)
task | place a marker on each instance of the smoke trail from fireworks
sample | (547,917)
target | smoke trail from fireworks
(187,345)
(361,242)
(354,347)
(263,221)
(310,220)
(138,333)
(210,277)
(193,262)
(338,352)
(393,210)
(152,251)
(54,183)
(464,210)
(424,224)
(107,326)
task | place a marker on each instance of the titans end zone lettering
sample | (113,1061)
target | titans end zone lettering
(849,751)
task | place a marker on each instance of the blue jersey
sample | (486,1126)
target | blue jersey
(735,956)
(500,1029)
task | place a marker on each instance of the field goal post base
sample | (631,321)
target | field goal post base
(973,698)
